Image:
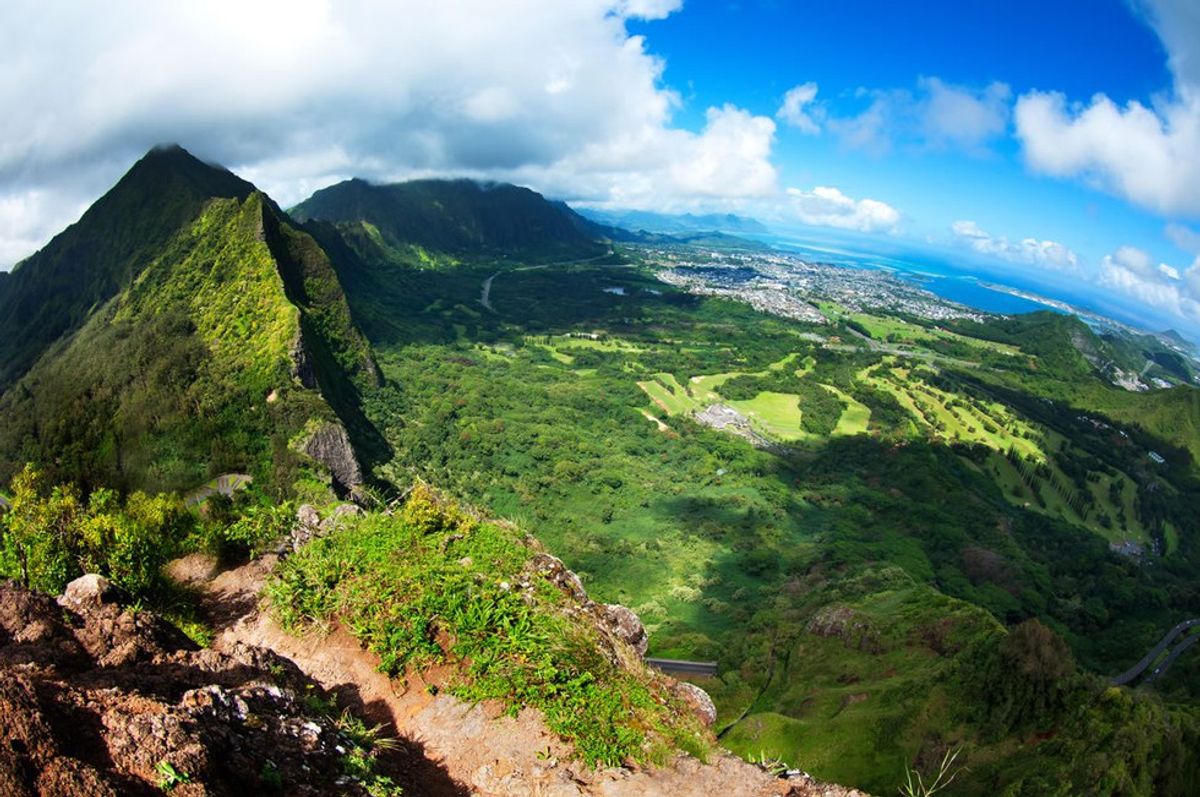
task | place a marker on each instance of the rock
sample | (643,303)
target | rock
(92,589)
(95,702)
(303,369)
(308,526)
(558,575)
(699,701)
(338,516)
(330,445)
(855,630)
(622,623)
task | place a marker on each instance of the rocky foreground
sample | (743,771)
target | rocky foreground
(98,699)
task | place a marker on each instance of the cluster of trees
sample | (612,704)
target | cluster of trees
(51,534)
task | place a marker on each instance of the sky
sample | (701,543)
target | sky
(1057,140)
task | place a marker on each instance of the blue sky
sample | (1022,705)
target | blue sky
(1058,138)
(752,52)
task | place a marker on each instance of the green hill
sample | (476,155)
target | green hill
(205,335)
(53,292)
(453,218)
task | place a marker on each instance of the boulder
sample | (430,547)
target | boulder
(622,623)
(699,701)
(91,589)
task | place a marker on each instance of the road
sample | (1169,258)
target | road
(678,667)
(485,295)
(485,298)
(1166,665)
(1156,651)
(225,484)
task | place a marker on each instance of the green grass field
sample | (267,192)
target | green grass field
(667,393)
(854,418)
(776,414)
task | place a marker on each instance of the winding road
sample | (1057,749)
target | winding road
(679,667)
(485,295)
(226,484)
(1136,670)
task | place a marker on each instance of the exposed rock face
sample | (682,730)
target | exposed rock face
(309,524)
(622,623)
(89,590)
(699,700)
(330,445)
(303,369)
(856,631)
(616,621)
(557,574)
(97,701)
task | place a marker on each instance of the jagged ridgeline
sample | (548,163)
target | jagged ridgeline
(182,328)
(433,222)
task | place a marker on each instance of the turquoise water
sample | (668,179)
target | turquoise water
(939,277)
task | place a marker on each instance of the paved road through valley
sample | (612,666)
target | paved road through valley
(678,667)
(1156,651)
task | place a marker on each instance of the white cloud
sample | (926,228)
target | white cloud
(1131,271)
(937,116)
(1147,154)
(1050,254)
(298,94)
(793,110)
(1184,237)
(954,117)
(829,207)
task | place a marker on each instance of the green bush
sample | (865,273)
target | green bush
(51,535)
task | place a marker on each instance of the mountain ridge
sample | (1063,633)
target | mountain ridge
(454,217)
(50,293)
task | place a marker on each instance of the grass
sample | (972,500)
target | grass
(895,330)
(776,414)
(435,585)
(854,418)
(955,417)
(668,394)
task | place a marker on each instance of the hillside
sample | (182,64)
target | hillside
(455,218)
(204,349)
(52,292)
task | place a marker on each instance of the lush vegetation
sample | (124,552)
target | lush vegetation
(433,584)
(536,412)
(226,345)
(914,566)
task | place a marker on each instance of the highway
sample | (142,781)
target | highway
(678,667)
(1156,651)
(1166,665)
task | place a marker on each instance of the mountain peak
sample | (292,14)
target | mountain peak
(52,291)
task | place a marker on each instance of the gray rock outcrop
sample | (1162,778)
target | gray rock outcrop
(330,445)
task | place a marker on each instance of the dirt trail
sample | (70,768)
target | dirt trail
(454,747)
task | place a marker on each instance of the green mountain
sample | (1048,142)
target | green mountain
(54,291)
(424,219)
(181,329)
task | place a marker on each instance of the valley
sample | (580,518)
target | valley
(898,526)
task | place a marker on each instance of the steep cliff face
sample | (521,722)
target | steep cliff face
(330,445)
